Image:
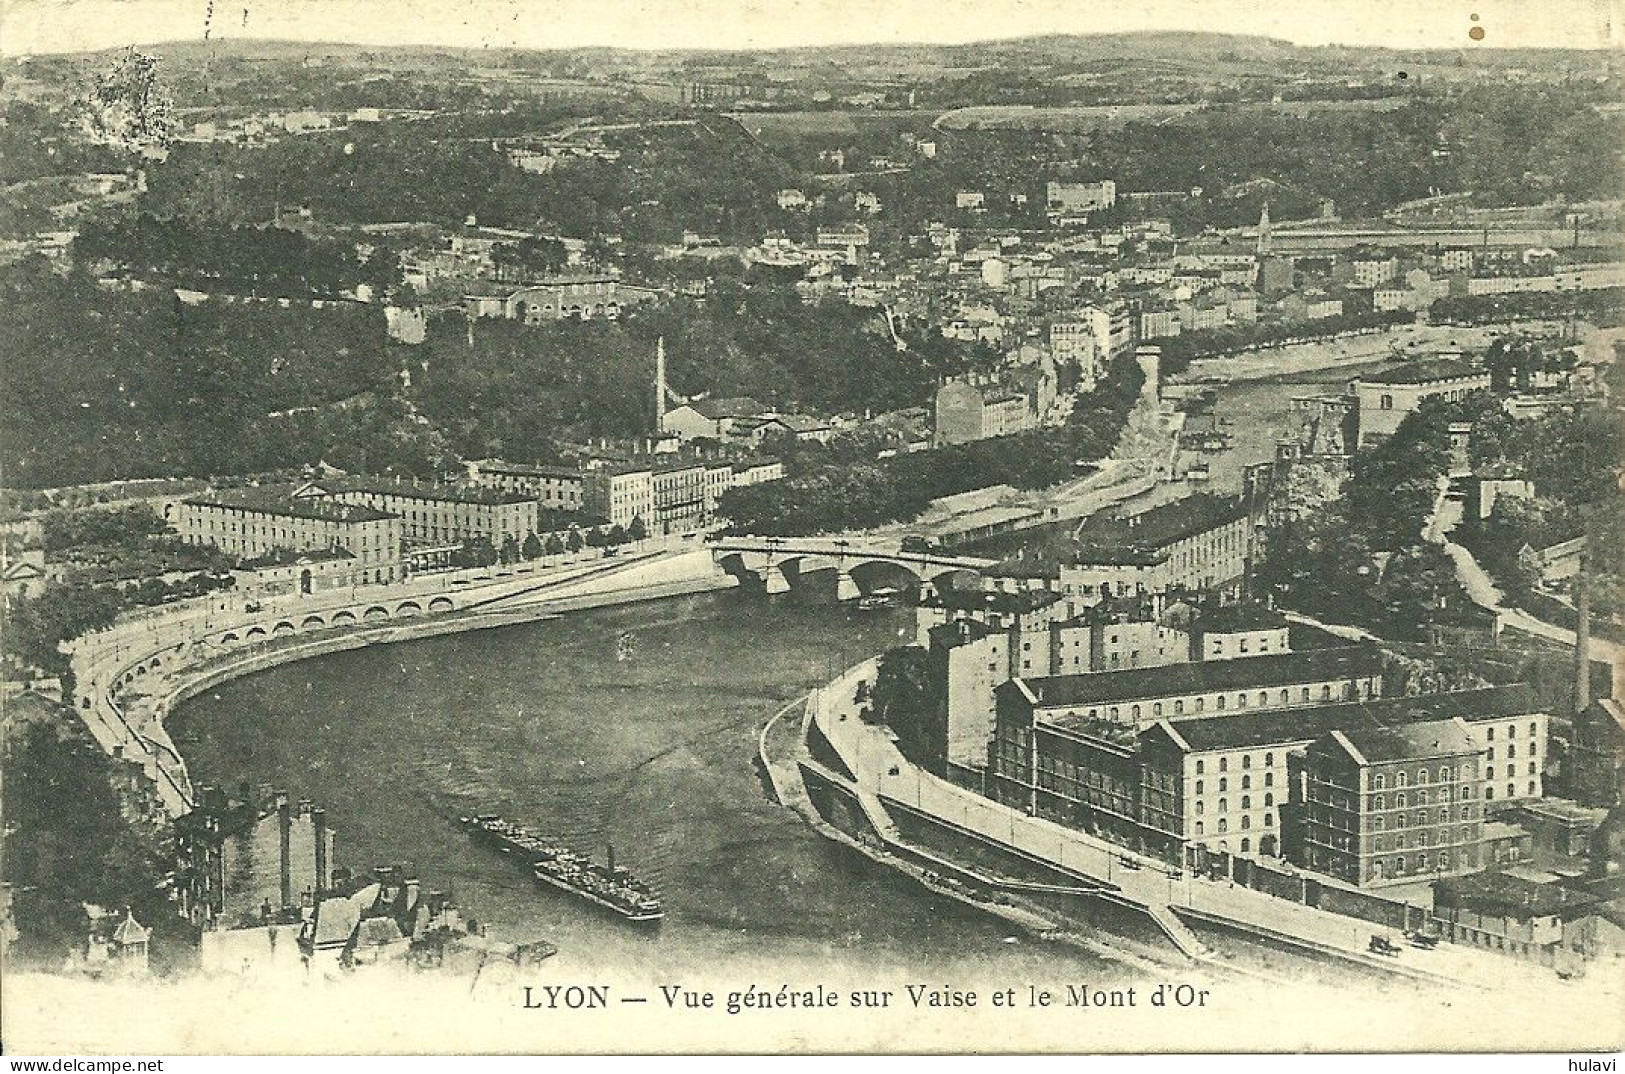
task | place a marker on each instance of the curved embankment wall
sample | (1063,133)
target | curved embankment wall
(186,678)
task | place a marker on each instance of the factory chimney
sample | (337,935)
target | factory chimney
(1582,634)
(284,814)
(660,386)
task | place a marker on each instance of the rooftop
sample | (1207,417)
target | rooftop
(736,407)
(497,466)
(993,601)
(1277,669)
(1232,617)
(1404,742)
(1301,725)
(279,501)
(479,494)
(1425,370)
(1140,538)
(1503,895)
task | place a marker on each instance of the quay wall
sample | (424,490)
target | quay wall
(183,669)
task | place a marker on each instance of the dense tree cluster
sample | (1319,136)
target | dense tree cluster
(212,256)
(824,498)
(67,842)
(1571,461)
(1362,558)
(1600,307)
(706,175)
(106,385)
(1179,351)
(518,389)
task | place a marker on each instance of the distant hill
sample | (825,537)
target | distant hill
(1045,49)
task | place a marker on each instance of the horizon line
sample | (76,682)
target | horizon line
(364,46)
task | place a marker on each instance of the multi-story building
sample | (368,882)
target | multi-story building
(1229,632)
(1139,697)
(619,494)
(1080,197)
(1373,270)
(237,862)
(965,413)
(555,299)
(679,492)
(1224,784)
(556,488)
(1228,771)
(438,515)
(1030,611)
(1391,804)
(755,471)
(1160,323)
(712,419)
(719,478)
(260,522)
(1385,398)
(1200,542)
(1456,259)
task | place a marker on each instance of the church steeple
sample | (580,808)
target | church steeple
(1264,231)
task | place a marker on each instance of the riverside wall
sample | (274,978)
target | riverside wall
(174,666)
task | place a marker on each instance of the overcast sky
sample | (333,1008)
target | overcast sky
(32,26)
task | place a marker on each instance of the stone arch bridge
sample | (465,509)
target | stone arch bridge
(781,564)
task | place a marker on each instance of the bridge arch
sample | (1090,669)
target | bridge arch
(441,604)
(312,622)
(375,613)
(343,617)
(408,608)
(956,578)
(282,629)
(873,574)
(229,639)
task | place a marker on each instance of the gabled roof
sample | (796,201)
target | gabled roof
(1424,371)
(742,406)
(1295,726)
(1244,673)
(130,931)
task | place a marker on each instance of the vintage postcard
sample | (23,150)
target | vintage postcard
(796,526)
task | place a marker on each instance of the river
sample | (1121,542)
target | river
(655,754)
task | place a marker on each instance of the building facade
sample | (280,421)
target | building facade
(1387,397)
(619,494)
(1392,805)
(260,523)
(438,515)
(555,488)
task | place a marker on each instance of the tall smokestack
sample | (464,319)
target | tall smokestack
(660,385)
(318,823)
(284,814)
(1582,635)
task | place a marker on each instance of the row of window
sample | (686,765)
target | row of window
(1246,762)
(1246,803)
(1402,800)
(1223,825)
(1246,781)
(1447,773)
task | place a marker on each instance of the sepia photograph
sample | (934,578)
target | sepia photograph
(885,527)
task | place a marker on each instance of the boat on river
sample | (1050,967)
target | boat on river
(884,597)
(555,865)
(606,886)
